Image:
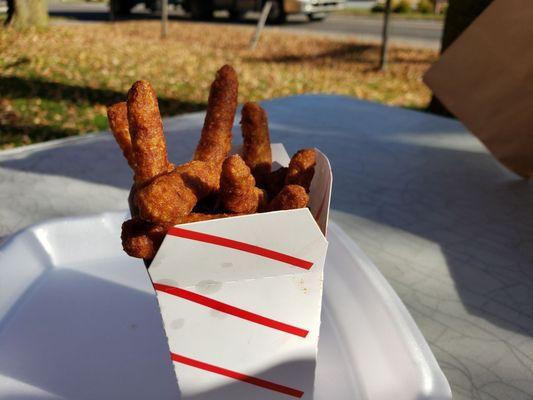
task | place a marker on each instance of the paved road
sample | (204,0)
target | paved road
(415,33)
(418,33)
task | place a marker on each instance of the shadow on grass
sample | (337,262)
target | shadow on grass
(20,130)
(348,52)
(21,133)
(12,87)
(361,53)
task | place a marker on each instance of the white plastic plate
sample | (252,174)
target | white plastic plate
(79,320)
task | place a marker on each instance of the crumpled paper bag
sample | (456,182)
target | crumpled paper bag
(485,78)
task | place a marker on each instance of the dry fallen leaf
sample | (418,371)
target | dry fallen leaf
(64,76)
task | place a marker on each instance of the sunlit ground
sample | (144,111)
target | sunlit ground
(56,82)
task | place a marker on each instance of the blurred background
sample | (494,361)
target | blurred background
(62,62)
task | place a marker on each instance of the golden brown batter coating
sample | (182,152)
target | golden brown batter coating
(172,195)
(197,217)
(142,239)
(302,168)
(146,130)
(117,115)
(290,197)
(213,184)
(215,141)
(237,187)
(256,151)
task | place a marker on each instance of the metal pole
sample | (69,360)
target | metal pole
(385,37)
(260,24)
(164,18)
(112,10)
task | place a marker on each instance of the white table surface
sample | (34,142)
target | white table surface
(450,229)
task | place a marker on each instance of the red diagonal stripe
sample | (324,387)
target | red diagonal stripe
(237,375)
(226,308)
(234,244)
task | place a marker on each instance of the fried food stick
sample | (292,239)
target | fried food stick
(146,128)
(173,195)
(256,150)
(142,239)
(290,197)
(301,169)
(237,187)
(117,115)
(215,141)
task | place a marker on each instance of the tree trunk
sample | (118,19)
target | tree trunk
(461,13)
(25,13)
(383,58)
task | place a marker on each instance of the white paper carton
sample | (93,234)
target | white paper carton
(241,298)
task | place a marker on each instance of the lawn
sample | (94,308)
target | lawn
(57,82)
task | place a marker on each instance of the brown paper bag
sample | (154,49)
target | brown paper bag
(485,78)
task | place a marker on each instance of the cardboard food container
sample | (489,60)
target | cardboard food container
(241,298)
